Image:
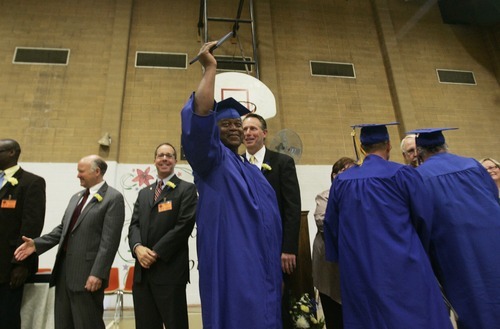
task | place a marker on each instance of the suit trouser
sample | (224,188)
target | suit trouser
(156,305)
(77,309)
(10,306)
(286,301)
(332,311)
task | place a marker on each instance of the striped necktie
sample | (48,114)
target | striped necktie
(2,175)
(74,217)
(253,159)
(158,189)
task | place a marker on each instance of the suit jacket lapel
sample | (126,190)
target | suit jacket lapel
(151,194)
(8,186)
(72,205)
(267,159)
(4,190)
(91,204)
(166,190)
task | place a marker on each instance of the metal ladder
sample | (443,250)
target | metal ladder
(204,20)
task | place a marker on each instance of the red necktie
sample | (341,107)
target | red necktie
(76,214)
(158,189)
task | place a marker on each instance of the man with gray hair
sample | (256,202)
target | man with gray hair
(409,150)
(88,238)
(464,230)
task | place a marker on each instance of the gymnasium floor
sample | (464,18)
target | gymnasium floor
(127,321)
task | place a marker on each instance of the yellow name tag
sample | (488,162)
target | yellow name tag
(9,204)
(165,206)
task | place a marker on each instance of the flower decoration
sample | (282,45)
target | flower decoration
(143,177)
(303,313)
(13,181)
(171,185)
(98,197)
(266,167)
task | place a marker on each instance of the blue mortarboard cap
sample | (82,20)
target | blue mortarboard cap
(230,108)
(430,136)
(373,133)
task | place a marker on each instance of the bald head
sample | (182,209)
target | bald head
(91,170)
(10,150)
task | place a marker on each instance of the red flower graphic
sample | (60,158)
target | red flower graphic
(143,177)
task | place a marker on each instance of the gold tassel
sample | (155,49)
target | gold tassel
(358,151)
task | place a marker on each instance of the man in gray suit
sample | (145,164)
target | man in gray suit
(88,238)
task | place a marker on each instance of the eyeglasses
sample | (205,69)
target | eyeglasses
(165,155)
(491,168)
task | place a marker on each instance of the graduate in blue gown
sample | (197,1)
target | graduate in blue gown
(371,222)
(238,221)
(465,230)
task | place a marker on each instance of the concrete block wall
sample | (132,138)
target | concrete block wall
(59,112)
(56,111)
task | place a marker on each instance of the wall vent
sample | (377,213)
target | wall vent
(332,69)
(456,77)
(146,59)
(234,63)
(41,56)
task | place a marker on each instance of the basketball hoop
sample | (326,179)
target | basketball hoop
(249,91)
(250,106)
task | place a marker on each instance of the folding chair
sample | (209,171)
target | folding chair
(129,281)
(44,270)
(114,289)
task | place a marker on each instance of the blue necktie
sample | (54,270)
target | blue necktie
(2,175)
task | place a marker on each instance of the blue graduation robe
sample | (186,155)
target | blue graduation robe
(386,277)
(238,232)
(465,237)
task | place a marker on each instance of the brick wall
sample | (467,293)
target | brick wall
(59,112)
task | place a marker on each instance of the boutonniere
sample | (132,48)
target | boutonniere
(98,197)
(266,167)
(13,181)
(171,185)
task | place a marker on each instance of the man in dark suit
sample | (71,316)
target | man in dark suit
(88,238)
(22,212)
(163,218)
(279,170)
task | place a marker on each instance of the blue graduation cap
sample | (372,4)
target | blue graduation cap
(230,108)
(373,133)
(430,136)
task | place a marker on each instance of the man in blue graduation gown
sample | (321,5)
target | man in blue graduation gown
(370,230)
(465,230)
(238,221)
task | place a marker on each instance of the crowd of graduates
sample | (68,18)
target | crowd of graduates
(413,244)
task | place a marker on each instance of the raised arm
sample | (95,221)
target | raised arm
(204,96)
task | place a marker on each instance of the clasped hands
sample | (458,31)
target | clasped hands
(145,256)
